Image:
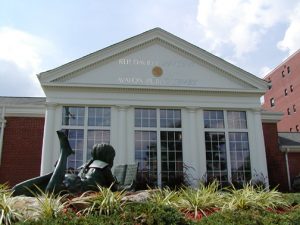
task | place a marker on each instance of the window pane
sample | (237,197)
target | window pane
(145,118)
(171,160)
(146,155)
(96,137)
(216,161)
(237,120)
(99,116)
(240,157)
(170,118)
(76,140)
(213,119)
(73,116)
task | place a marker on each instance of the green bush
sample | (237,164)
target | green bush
(252,217)
(135,213)
(292,198)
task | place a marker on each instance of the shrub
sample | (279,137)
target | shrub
(203,199)
(163,197)
(49,204)
(8,214)
(102,202)
(251,197)
(252,217)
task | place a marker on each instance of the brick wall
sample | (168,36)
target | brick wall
(275,159)
(22,148)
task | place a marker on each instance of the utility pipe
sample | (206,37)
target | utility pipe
(288,169)
(2,121)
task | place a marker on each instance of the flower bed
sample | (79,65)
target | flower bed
(203,205)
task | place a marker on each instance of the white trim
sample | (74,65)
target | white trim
(271,117)
(289,148)
(162,37)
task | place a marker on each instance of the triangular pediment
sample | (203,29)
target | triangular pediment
(153,59)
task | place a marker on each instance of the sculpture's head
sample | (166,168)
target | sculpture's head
(104,152)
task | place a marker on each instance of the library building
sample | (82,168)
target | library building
(178,111)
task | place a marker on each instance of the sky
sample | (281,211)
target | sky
(36,36)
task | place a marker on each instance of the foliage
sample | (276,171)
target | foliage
(203,199)
(163,197)
(8,214)
(4,189)
(133,213)
(103,202)
(254,197)
(292,198)
(252,217)
(50,205)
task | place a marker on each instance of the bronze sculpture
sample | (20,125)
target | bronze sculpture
(96,172)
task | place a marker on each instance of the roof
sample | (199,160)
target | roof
(22,106)
(289,141)
(55,76)
(4,100)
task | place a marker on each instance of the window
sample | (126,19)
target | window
(85,126)
(294,108)
(158,146)
(288,70)
(285,92)
(291,88)
(282,73)
(288,111)
(297,128)
(291,129)
(272,102)
(227,146)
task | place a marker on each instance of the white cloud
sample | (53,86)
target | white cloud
(291,40)
(264,71)
(21,57)
(240,24)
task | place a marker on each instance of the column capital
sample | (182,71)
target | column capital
(122,107)
(51,105)
(192,109)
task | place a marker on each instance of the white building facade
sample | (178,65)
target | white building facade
(160,101)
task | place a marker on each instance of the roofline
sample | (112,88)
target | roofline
(287,148)
(143,38)
(150,87)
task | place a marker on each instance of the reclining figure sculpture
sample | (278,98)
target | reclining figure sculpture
(96,172)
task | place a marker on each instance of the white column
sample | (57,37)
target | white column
(257,146)
(49,132)
(193,156)
(122,151)
(201,145)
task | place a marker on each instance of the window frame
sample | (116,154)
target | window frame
(159,129)
(227,131)
(85,127)
(272,102)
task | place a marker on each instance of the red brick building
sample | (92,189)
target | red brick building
(284,93)
(21,137)
(284,96)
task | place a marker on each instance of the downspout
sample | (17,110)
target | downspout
(288,169)
(2,120)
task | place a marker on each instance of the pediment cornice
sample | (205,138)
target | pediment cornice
(75,68)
